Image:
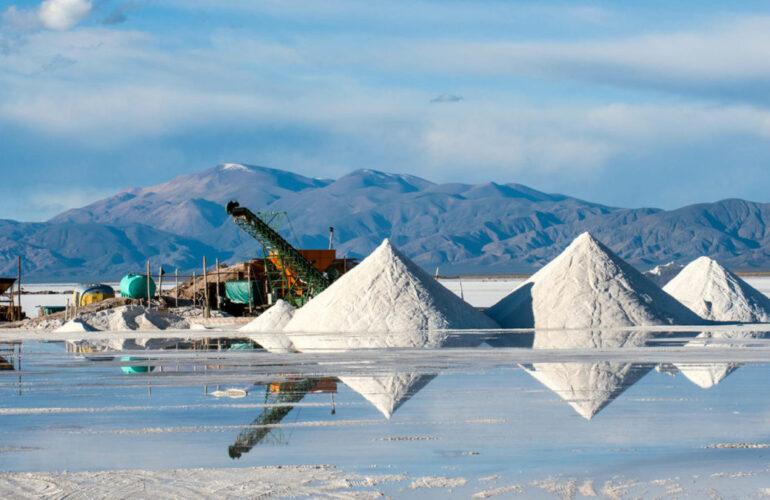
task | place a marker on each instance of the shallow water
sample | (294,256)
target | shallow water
(614,408)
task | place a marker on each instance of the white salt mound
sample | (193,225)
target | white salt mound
(660,275)
(76,325)
(267,327)
(716,294)
(386,292)
(134,318)
(588,286)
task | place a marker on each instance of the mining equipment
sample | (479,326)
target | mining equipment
(9,310)
(294,275)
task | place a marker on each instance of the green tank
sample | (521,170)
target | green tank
(135,286)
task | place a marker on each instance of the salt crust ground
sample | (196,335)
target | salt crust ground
(714,293)
(588,286)
(326,481)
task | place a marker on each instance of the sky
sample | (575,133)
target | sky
(630,104)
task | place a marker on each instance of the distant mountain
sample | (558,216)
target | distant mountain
(484,228)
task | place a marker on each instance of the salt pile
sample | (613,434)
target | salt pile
(588,387)
(588,286)
(660,275)
(386,292)
(134,318)
(716,294)
(76,325)
(267,327)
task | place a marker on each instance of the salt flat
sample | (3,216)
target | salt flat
(98,414)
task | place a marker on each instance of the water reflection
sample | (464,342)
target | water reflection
(707,375)
(588,387)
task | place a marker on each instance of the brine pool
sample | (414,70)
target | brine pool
(678,414)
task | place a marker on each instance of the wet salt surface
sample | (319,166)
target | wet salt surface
(482,421)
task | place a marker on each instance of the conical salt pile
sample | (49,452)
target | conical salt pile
(587,286)
(386,292)
(266,329)
(716,294)
(588,387)
(660,275)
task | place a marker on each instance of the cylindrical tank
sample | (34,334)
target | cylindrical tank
(135,286)
(88,293)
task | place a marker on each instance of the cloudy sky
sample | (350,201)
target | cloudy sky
(626,103)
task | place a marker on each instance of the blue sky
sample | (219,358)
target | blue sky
(630,104)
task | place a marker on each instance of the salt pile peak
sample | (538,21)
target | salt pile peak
(267,328)
(386,292)
(588,286)
(716,294)
(660,275)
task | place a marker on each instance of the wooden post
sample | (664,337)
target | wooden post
(149,277)
(19,288)
(218,297)
(195,290)
(176,278)
(251,301)
(160,284)
(206,308)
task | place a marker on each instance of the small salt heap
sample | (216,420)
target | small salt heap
(714,293)
(267,328)
(588,286)
(660,275)
(386,292)
(76,325)
(134,318)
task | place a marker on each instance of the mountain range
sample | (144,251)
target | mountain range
(485,228)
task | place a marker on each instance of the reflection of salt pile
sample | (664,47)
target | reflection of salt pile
(266,329)
(76,325)
(707,375)
(586,286)
(386,292)
(387,393)
(660,275)
(588,387)
(714,293)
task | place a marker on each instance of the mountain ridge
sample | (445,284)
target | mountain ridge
(487,228)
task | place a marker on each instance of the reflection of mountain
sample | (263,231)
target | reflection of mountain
(707,375)
(588,387)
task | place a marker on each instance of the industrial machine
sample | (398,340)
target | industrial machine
(290,274)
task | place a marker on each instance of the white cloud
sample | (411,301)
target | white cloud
(63,14)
